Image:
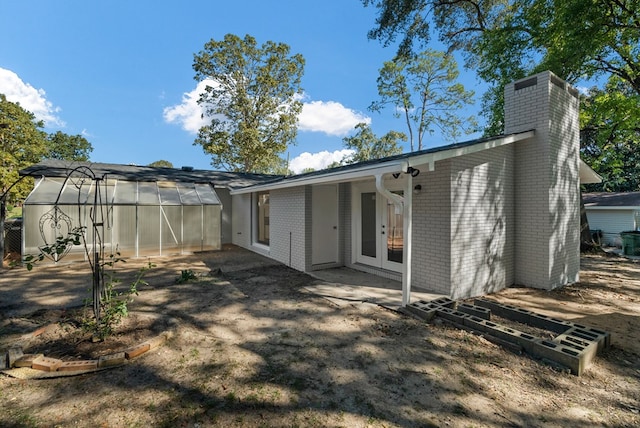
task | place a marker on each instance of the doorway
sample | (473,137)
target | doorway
(324,228)
(379,228)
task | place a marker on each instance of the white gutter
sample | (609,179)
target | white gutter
(393,197)
(408,242)
(406,202)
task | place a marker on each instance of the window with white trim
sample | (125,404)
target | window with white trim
(262,218)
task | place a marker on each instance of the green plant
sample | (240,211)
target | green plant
(113,303)
(186,275)
(61,245)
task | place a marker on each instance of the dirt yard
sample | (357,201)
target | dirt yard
(252,347)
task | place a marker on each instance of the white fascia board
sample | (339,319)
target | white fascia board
(339,176)
(431,158)
(612,208)
(387,167)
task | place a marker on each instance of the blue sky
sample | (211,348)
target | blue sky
(120,72)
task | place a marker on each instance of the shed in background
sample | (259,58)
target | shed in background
(610,213)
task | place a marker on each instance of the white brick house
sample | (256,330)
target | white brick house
(461,220)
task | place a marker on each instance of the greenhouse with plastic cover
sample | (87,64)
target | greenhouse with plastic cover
(133,218)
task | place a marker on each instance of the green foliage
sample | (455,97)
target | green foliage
(16,212)
(22,143)
(68,147)
(610,123)
(504,40)
(186,275)
(61,245)
(161,164)
(252,102)
(113,303)
(423,89)
(367,146)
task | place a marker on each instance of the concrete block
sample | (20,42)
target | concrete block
(570,357)
(26,360)
(444,301)
(478,324)
(421,312)
(111,360)
(549,323)
(477,311)
(136,350)
(451,315)
(579,333)
(523,340)
(46,364)
(524,316)
(80,365)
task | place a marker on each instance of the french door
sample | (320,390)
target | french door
(378,229)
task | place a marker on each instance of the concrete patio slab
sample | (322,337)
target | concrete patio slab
(347,286)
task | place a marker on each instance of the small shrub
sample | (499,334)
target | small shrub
(186,275)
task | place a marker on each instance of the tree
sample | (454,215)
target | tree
(610,136)
(422,88)
(504,40)
(22,143)
(367,146)
(161,164)
(68,147)
(252,102)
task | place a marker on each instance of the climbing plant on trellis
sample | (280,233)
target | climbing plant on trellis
(60,233)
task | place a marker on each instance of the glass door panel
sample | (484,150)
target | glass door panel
(395,236)
(369,229)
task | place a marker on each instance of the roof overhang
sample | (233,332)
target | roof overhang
(612,207)
(331,177)
(431,158)
(588,175)
(391,166)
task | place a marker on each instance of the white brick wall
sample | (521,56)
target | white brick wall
(431,267)
(289,235)
(463,223)
(241,220)
(482,222)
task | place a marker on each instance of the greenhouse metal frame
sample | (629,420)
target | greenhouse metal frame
(138,218)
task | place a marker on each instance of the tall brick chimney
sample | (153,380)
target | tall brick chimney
(547,192)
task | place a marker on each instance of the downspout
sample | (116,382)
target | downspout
(405,202)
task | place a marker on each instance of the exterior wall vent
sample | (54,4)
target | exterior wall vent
(526,83)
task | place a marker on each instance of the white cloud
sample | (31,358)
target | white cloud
(317,161)
(189,114)
(29,98)
(329,117)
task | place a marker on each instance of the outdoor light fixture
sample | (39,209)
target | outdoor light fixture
(413,171)
(417,188)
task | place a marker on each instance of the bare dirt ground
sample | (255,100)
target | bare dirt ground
(253,348)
